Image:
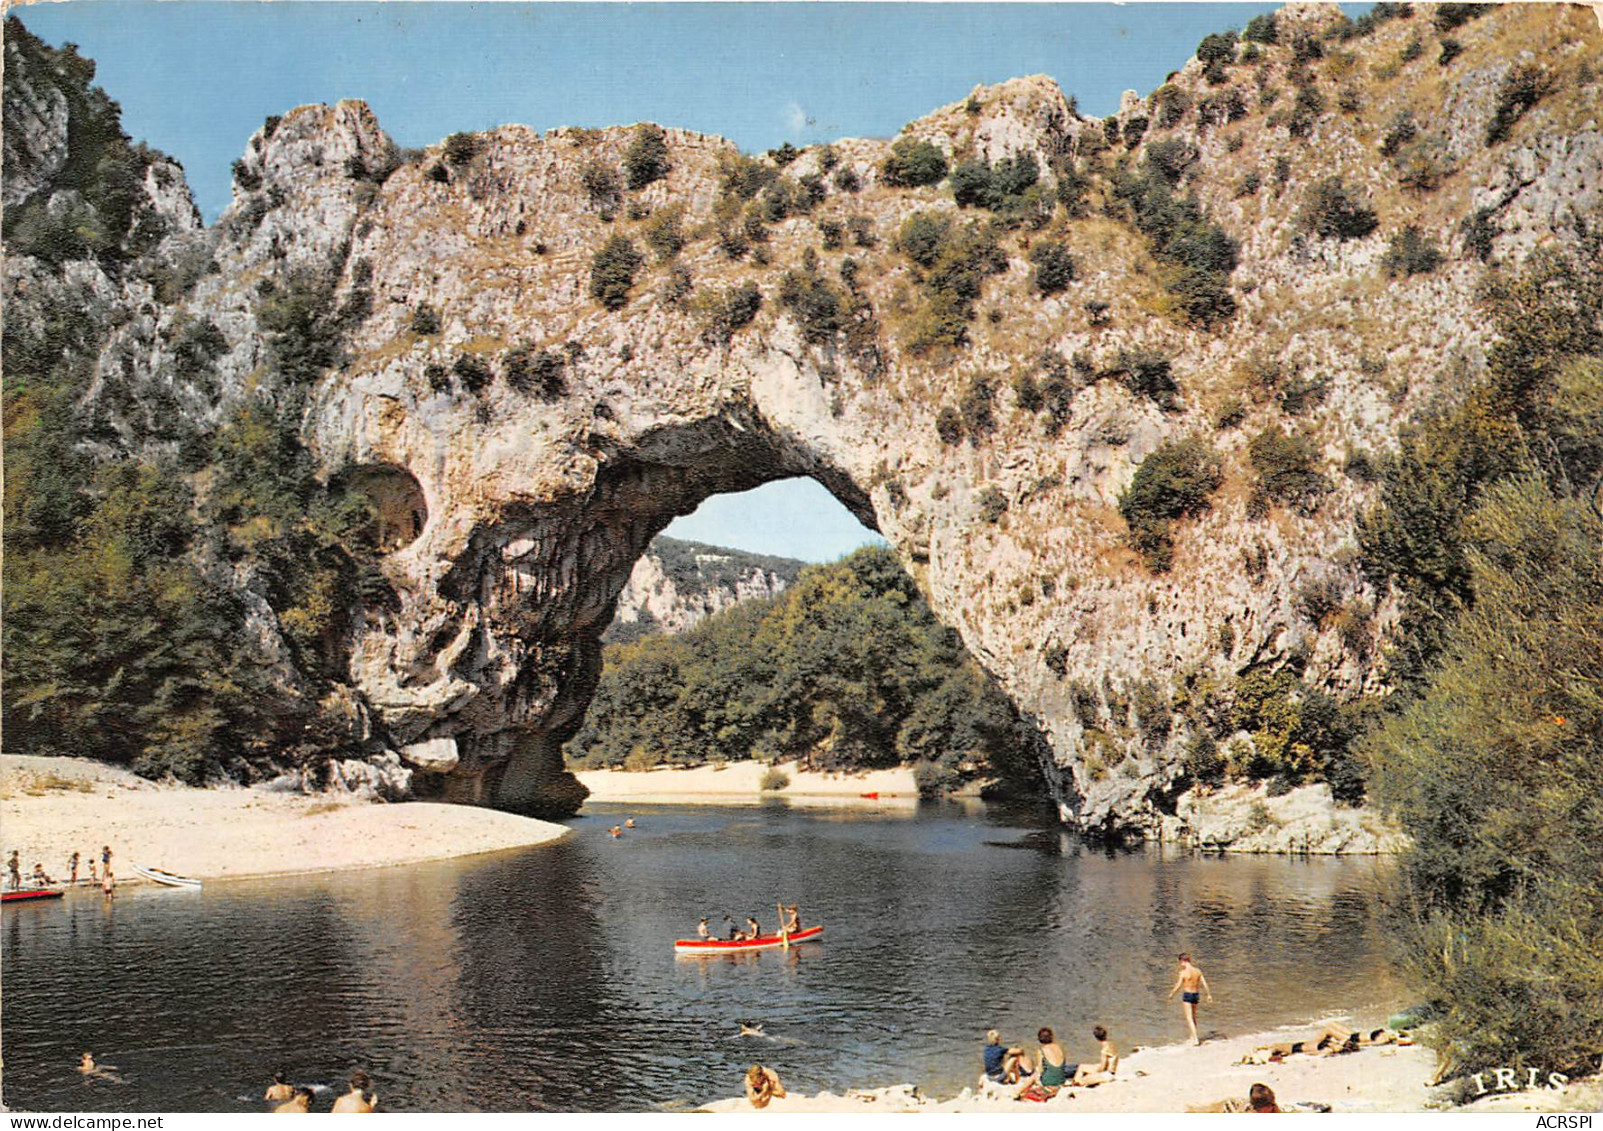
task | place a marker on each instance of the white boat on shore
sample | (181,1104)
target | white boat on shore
(170,879)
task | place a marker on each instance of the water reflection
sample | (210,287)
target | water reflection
(546,979)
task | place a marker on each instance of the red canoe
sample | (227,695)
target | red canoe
(734,946)
(31,893)
(871,796)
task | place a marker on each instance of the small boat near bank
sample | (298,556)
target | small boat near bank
(28,895)
(170,879)
(737,946)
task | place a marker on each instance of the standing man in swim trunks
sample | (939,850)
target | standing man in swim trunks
(1191,985)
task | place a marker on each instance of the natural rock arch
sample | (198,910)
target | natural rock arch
(551,436)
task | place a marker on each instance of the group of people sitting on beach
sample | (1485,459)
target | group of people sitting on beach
(296,1099)
(790,924)
(41,879)
(1050,1071)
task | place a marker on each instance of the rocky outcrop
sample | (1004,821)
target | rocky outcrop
(1243,818)
(677,584)
(543,437)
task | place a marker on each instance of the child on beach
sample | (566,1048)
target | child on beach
(762,1086)
(1191,985)
(1004,1065)
(15,867)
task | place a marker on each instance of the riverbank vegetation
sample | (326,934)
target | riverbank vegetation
(847,669)
(1494,758)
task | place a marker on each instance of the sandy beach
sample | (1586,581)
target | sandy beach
(740,783)
(1172,1078)
(53,807)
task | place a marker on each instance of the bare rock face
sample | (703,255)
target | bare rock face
(519,505)
(677,584)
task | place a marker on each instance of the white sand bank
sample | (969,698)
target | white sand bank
(740,783)
(53,807)
(1174,1077)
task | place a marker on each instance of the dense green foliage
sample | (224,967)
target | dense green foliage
(955,259)
(913,163)
(646,159)
(1172,483)
(1493,759)
(846,669)
(612,272)
(109,218)
(1333,211)
(1497,772)
(125,637)
(1287,471)
(1054,267)
(1009,188)
(1410,252)
(1197,255)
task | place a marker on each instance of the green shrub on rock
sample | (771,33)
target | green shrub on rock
(612,272)
(912,163)
(1174,482)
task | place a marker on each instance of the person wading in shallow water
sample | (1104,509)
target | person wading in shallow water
(358,1099)
(300,1102)
(1191,985)
(279,1090)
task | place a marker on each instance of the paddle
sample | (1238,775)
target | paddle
(784,935)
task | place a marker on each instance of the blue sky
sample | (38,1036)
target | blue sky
(195,79)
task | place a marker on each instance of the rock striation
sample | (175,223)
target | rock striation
(528,431)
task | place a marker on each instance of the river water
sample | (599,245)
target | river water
(545,979)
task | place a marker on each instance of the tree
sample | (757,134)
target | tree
(646,159)
(1054,267)
(1172,483)
(612,272)
(1495,771)
(912,163)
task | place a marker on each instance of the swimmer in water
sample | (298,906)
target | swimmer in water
(92,1071)
(629,824)
(751,1028)
(279,1090)
(358,1099)
(299,1103)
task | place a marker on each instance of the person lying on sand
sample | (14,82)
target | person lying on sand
(1004,1065)
(763,1086)
(1332,1040)
(358,1099)
(1260,1099)
(300,1102)
(279,1090)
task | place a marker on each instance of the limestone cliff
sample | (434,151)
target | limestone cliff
(676,584)
(528,428)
